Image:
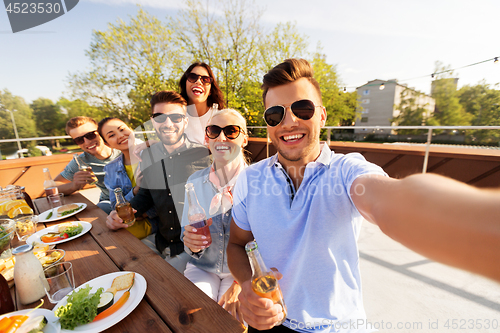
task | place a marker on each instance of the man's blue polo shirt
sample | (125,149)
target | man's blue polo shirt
(309,235)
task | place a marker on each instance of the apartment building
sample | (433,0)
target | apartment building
(379,100)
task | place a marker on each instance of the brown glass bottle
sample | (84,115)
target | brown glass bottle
(264,282)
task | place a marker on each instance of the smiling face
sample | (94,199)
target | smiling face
(225,150)
(116,133)
(296,140)
(170,133)
(95,146)
(198,92)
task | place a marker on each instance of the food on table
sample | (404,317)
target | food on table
(122,282)
(5,238)
(40,251)
(13,208)
(33,325)
(64,231)
(23,323)
(49,216)
(80,309)
(67,209)
(119,283)
(107,299)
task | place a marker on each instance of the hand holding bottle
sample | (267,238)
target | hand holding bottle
(193,240)
(260,312)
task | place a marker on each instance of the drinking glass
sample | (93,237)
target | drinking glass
(26,226)
(60,281)
(56,200)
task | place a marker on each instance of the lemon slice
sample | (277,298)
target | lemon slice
(19,210)
(8,205)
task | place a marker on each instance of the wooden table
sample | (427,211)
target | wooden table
(171,304)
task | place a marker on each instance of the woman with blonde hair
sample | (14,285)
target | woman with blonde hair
(225,135)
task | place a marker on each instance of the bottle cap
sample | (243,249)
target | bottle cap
(22,249)
(45,169)
(117,190)
(251,246)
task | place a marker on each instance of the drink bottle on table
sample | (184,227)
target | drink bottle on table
(264,282)
(196,214)
(49,184)
(123,208)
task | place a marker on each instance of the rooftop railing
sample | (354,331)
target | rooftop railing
(329,129)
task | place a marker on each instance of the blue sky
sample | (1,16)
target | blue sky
(365,39)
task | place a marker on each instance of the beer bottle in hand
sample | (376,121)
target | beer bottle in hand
(196,214)
(123,208)
(264,282)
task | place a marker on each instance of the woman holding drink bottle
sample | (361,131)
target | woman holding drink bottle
(121,173)
(226,135)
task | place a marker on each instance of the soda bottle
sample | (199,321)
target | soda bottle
(49,184)
(123,208)
(264,282)
(196,214)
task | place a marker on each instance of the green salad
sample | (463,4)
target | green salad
(73,231)
(4,241)
(80,309)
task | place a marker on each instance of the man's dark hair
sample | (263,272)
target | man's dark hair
(289,71)
(165,96)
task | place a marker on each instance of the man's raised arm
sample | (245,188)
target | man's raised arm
(438,217)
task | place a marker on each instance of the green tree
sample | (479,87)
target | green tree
(340,107)
(78,107)
(49,119)
(129,62)
(23,117)
(448,111)
(483,103)
(411,113)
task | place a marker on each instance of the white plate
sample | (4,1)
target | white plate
(53,325)
(136,294)
(36,236)
(43,216)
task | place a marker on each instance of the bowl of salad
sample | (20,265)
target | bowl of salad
(7,228)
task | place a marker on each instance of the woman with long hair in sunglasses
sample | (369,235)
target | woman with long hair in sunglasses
(201,91)
(226,135)
(123,173)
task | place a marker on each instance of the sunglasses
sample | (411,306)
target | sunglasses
(160,118)
(303,109)
(192,77)
(231,131)
(89,136)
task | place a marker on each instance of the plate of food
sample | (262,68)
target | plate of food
(33,320)
(60,233)
(106,300)
(62,212)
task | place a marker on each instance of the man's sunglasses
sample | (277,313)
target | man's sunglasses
(231,131)
(89,136)
(192,77)
(303,109)
(160,118)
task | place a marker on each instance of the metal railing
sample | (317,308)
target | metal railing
(428,128)
(329,133)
